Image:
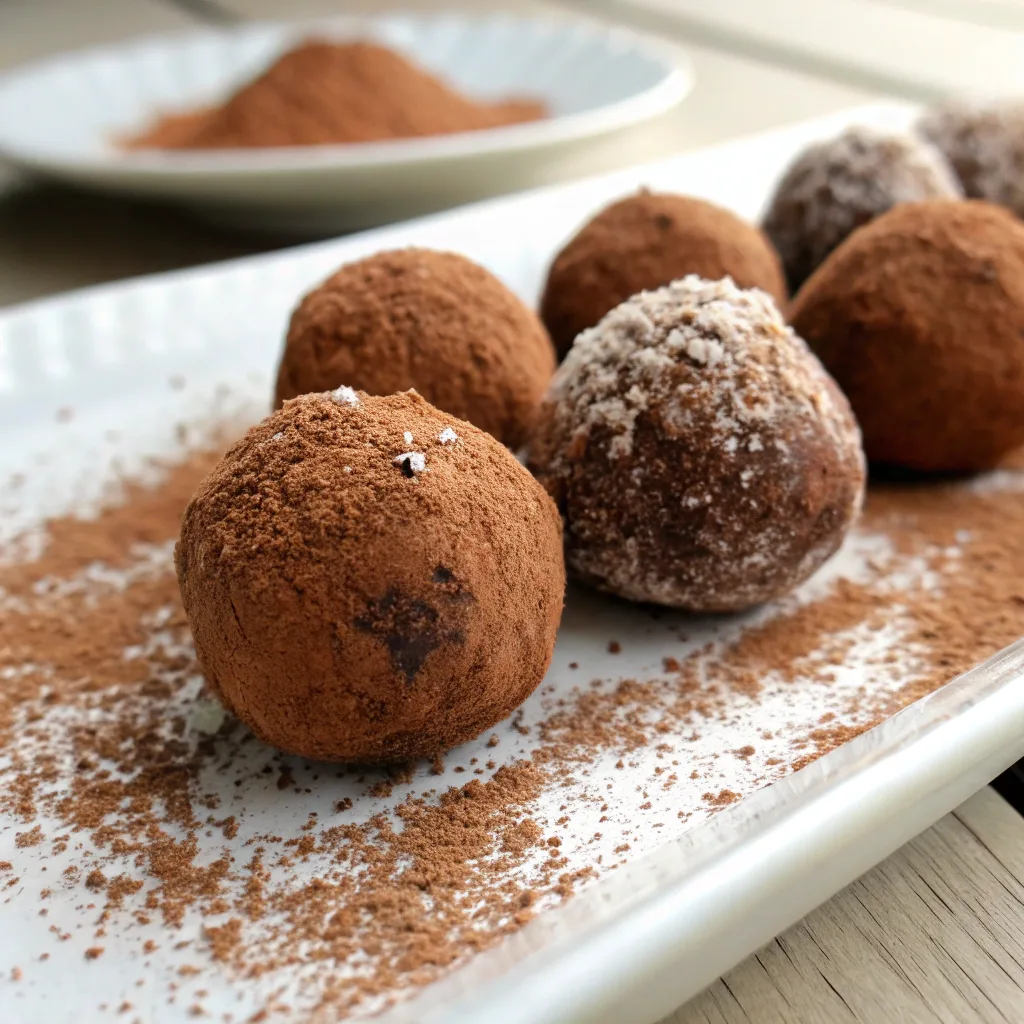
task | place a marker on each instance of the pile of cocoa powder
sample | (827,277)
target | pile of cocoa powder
(115,768)
(324,93)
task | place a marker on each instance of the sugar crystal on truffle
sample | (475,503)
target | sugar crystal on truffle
(345,396)
(411,462)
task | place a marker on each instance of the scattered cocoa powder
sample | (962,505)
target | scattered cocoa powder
(31,838)
(101,748)
(722,798)
(323,93)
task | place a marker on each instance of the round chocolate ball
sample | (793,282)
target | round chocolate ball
(433,321)
(985,145)
(370,579)
(646,241)
(920,318)
(834,187)
(700,455)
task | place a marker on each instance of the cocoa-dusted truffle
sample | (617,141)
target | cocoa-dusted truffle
(646,241)
(920,318)
(700,455)
(433,321)
(370,579)
(985,145)
(834,187)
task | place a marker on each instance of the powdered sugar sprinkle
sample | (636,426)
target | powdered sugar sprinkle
(344,396)
(413,462)
(985,144)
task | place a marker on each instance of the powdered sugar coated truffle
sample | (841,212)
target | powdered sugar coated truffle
(700,455)
(984,142)
(834,187)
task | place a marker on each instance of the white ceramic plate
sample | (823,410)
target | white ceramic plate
(134,360)
(61,116)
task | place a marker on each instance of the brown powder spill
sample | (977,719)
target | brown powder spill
(323,93)
(118,773)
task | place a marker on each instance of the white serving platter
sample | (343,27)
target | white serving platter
(135,360)
(61,116)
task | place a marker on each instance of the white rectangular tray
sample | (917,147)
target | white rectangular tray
(135,360)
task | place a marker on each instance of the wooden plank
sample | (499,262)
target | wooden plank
(934,933)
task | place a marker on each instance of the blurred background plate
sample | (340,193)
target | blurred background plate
(60,117)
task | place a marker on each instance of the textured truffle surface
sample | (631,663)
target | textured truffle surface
(433,321)
(646,241)
(985,145)
(836,186)
(701,456)
(369,579)
(920,318)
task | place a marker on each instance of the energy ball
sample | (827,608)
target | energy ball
(920,318)
(700,455)
(433,321)
(985,145)
(644,242)
(834,187)
(369,579)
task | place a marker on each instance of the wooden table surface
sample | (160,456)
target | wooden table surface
(934,933)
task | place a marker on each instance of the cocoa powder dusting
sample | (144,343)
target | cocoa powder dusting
(124,779)
(323,93)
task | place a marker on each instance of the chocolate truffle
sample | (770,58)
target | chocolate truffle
(920,318)
(985,145)
(433,321)
(700,455)
(834,187)
(646,241)
(370,579)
